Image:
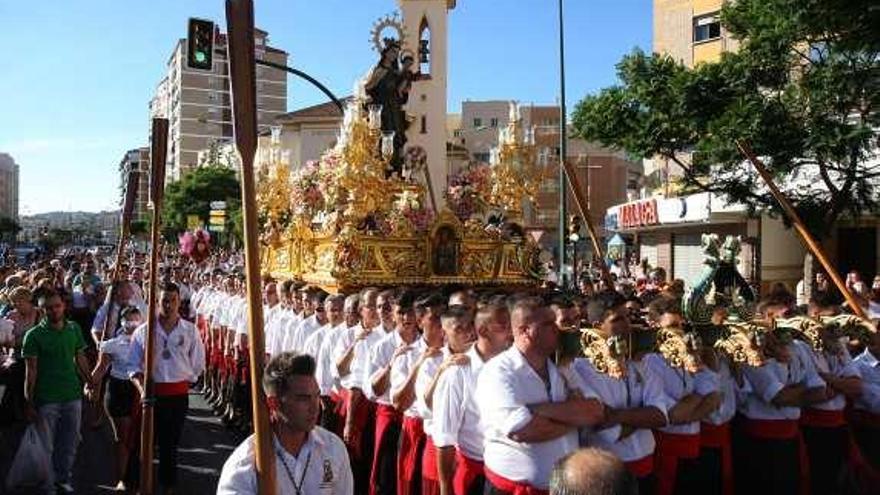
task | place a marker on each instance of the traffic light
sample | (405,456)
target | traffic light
(200,44)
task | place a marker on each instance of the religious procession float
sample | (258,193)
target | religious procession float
(366,213)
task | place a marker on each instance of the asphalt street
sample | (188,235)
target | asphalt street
(205,446)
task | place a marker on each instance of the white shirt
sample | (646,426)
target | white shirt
(456,416)
(326,372)
(768,380)
(328,470)
(400,369)
(380,356)
(506,386)
(187,359)
(677,384)
(869,368)
(305,330)
(358,376)
(279,324)
(840,365)
(119,350)
(707,381)
(423,381)
(636,389)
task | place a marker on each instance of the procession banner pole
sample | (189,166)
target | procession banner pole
(242,76)
(581,201)
(131,188)
(159,138)
(814,247)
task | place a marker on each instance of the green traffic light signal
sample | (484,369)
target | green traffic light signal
(201,57)
(200,41)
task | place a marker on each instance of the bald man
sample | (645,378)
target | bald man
(592,472)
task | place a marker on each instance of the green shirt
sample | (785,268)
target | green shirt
(55,350)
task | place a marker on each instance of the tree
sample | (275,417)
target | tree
(803,90)
(194,192)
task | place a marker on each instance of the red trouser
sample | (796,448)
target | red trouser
(467,472)
(409,457)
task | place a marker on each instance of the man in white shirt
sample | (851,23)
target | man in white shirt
(314,305)
(866,410)
(634,401)
(781,387)
(456,431)
(383,475)
(530,418)
(179,359)
(678,442)
(404,372)
(457,323)
(307,318)
(308,459)
(351,365)
(327,375)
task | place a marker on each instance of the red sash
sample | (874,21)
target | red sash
(171,389)
(361,413)
(512,487)
(782,429)
(429,461)
(386,416)
(409,456)
(821,418)
(670,448)
(641,467)
(467,471)
(718,437)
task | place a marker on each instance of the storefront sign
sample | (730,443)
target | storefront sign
(638,214)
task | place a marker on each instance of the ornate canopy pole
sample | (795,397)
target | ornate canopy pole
(242,75)
(131,187)
(159,146)
(813,246)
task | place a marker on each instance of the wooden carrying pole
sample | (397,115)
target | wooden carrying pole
(157,189)
(131,188)
(814,247)
(583,205)
(242,75)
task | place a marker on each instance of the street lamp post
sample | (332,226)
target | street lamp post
(563,149)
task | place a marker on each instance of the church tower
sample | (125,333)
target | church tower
(426,26)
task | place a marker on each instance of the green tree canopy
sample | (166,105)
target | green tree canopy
(193,194)
(803,90)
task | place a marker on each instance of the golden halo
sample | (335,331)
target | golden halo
(389,21)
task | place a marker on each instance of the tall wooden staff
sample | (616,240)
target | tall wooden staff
(583,205)
(242,71)
(157,190)
(813,246)
(131,188)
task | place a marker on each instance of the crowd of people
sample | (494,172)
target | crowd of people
(438,390)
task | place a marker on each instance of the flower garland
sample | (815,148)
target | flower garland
(469,190)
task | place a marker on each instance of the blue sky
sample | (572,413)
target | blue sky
(78,75)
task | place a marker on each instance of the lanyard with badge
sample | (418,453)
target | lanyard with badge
(296,486)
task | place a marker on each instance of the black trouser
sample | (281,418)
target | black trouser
(687,479)
(169,416)
(827,451)
(772,466)
(647,484)
(329,418)
(868,440)
(710,473)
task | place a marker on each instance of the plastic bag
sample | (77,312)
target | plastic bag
(32,466)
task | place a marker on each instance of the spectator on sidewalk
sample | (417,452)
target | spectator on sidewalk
(54,353)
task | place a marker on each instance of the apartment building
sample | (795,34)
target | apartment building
(606,175)
(136,159)
(198,103)
(690,30)
(8,187)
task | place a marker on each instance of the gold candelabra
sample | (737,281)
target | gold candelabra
(515,175)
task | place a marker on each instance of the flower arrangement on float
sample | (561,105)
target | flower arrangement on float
(468,191)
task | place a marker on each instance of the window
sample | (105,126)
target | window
(478,122)
(707,27)
(481,157)
(424,127)
(493,122)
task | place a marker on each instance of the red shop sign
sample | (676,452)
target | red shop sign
(638,214)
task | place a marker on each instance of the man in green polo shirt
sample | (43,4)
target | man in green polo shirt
(53,351)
